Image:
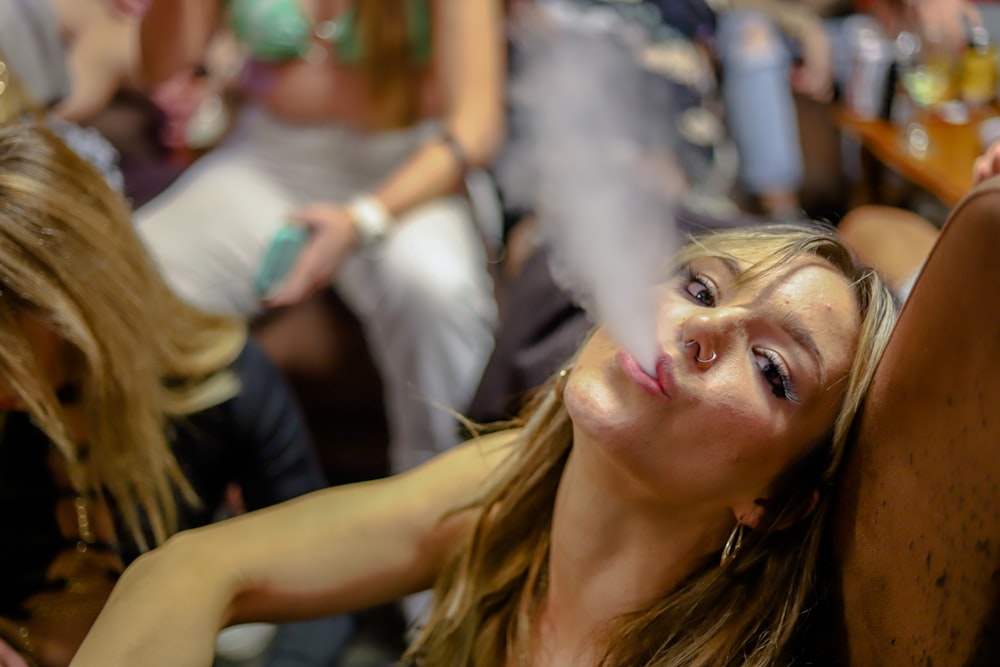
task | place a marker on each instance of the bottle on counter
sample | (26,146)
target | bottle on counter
(979,69)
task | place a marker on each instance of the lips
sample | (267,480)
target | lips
(662,386)
(665,374)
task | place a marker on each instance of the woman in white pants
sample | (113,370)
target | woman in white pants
(359,130)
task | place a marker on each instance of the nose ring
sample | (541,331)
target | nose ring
(714,356)
(706,361)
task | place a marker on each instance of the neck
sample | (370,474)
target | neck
(613,552)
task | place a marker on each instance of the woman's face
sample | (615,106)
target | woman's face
(715,433)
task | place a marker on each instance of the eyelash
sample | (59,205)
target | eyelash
(691,277)
(783,388)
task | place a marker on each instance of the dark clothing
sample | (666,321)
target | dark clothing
(256,439)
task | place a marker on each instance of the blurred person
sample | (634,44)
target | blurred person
(101,55)
(72,56)
(77,62)
(948,19)
(361,120)
(126,414)
(896,241)
(771,50)
(630,519)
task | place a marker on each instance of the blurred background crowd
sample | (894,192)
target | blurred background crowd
(371,138)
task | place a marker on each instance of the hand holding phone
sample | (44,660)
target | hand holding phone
(280,257)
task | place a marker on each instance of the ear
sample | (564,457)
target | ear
(749,513)
(753,513)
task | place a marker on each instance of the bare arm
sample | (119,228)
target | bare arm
(475,72)
(334,550)
(472,54)
(175,35)
(102,52)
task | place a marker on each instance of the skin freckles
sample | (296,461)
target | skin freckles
(725,434)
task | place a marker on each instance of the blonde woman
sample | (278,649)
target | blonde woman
(633,519)
(125,412)
(361,120)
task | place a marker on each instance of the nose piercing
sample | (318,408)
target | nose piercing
(714,356)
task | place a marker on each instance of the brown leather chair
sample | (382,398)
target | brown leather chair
(916,531)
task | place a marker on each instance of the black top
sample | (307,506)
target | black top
(256,439)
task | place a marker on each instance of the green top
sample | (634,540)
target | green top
(278,30)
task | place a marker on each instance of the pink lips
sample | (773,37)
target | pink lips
(662,385)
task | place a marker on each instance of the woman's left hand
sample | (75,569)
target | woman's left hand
(332,237)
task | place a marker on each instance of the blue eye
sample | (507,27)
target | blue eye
(775,375)
(699,288)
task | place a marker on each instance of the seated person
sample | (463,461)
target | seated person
(770,49)
(359,125)
(72,55)
(62,61)
(896,241)
(126,413)
(630,519)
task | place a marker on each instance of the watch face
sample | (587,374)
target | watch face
(371,219)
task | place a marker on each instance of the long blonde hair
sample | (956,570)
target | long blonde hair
(69,255)
(744,613)
(392,79)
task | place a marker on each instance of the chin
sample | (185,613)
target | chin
(601,413)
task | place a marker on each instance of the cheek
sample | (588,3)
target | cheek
(738,419)
(595,406)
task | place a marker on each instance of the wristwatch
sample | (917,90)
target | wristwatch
(371,219)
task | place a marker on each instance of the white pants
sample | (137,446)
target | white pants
(424,296)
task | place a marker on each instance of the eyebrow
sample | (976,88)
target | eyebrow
(732,266)
(801,335)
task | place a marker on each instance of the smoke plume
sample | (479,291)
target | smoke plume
(589,157)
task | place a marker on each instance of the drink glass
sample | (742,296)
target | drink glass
(926,72)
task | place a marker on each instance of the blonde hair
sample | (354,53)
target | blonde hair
(69,255)
(744,613)
(392,79)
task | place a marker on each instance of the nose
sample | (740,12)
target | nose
(708,336)
(697,351)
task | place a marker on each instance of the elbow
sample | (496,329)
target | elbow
(487,148)
(481,136)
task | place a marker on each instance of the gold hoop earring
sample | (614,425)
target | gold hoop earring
(733,544)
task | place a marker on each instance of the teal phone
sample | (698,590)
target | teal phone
(280,257)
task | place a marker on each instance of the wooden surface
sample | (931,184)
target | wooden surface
(946,170)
